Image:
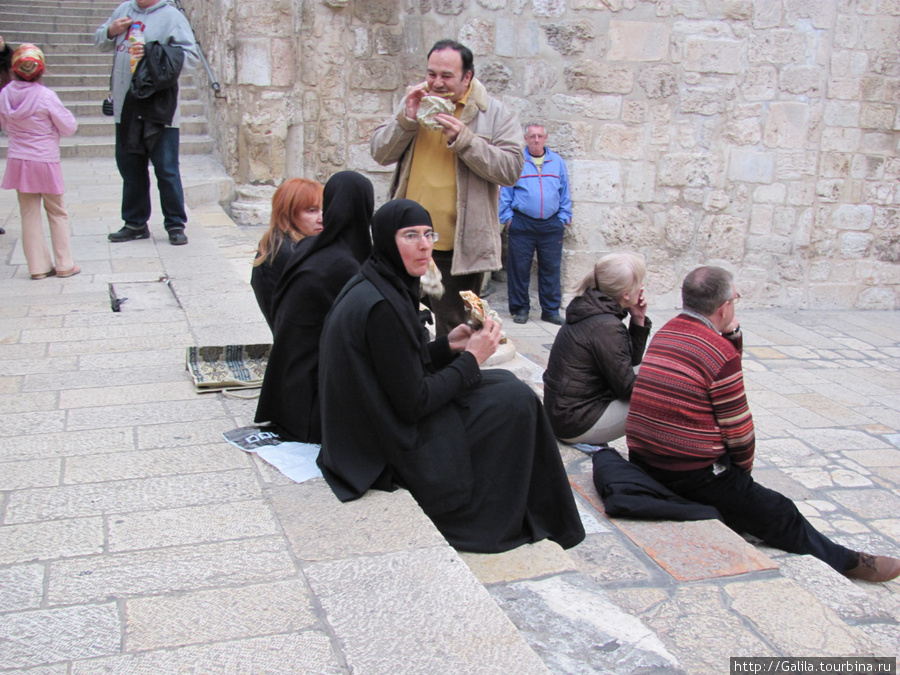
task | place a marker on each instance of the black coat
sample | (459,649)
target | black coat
(628,491)
(317,270)
(474,449)
(152,96)
(289,397)
(264,279)
(591,362)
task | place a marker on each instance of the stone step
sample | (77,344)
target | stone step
(17,36)
(98,93)
(56,80)
(51,24)
(86,109)
(43,6)
(104,146)
(94,126)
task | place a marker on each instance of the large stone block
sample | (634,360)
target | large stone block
(628,227)
(620,142)
(376,74)
(712,56)
(766,14)
(596,181)
(855,244)
(680,229)
(593,106)
(802,81)
(877,116)
(841,139)
(253,59)
(843,88)
(842,113)
(852,217)
(881,32)
(637,40)
(703,101)
(760,83)
(640,181)
(599,77)
(377,11)
(539,77)
(787,125)
(778,46)
(658,81)
(478,35)
(845,63)
(867,167)
(751,167)
(743,132)
(819,12)
(722,237)
(691,170)
(570,37)
(761,218)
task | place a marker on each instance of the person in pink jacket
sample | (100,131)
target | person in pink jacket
(34,118)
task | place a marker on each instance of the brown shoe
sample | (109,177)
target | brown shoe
(874,568)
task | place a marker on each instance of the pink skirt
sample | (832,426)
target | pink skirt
(27,176)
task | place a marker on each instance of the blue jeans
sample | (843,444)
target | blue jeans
(136,181)
(527,235)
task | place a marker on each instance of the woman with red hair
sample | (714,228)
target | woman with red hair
(34,119)
(296,214)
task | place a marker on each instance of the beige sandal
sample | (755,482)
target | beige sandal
(69,273)
(51,273)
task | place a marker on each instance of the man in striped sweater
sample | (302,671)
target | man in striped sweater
(690,428)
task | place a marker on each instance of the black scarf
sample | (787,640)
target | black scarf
(385,269)
(348,202)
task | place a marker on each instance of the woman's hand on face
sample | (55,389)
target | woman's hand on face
(638,310)
(459,337)
(484,342)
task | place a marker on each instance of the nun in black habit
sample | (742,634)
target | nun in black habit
(312,279)
(473,447)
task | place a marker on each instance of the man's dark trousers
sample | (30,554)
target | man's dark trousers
(136,181)
(527,235)
(747,506)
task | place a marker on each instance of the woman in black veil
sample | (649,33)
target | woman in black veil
(473,447)
(312,278)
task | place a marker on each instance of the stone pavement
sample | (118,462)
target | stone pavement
(133,539)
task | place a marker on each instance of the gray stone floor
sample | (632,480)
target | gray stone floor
(133,539)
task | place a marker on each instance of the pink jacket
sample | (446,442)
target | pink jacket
(34,118)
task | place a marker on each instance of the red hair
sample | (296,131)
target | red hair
(292,197)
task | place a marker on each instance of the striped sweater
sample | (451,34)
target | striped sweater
(688,407)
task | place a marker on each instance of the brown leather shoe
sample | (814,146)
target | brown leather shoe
(874,568)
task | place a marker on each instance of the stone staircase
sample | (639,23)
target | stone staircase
(79,73)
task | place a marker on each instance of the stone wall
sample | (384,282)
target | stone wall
(758,135)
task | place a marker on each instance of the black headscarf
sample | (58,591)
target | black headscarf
(347,205)
(385,269)
(348,202)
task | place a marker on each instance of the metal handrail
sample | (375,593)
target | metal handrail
(213,83)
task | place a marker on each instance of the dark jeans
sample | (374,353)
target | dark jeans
(136,181)
(449,311)
(527,235)
(747,506)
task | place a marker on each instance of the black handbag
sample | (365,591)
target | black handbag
(107,105)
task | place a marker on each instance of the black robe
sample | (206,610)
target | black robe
(313,277)
(264,279)
(474,448)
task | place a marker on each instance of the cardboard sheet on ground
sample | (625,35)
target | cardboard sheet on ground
(297,461)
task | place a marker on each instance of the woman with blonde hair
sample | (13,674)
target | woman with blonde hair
(592,366)
(296,214)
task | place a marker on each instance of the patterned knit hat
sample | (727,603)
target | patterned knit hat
(28,62)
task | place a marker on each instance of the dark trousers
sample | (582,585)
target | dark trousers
(527,236)
(449,311)
(747,506)
(136,181)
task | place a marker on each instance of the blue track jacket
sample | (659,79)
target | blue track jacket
(539,195)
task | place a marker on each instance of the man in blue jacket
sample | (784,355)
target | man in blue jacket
(536,211)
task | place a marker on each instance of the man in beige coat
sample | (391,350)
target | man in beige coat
(455,171)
